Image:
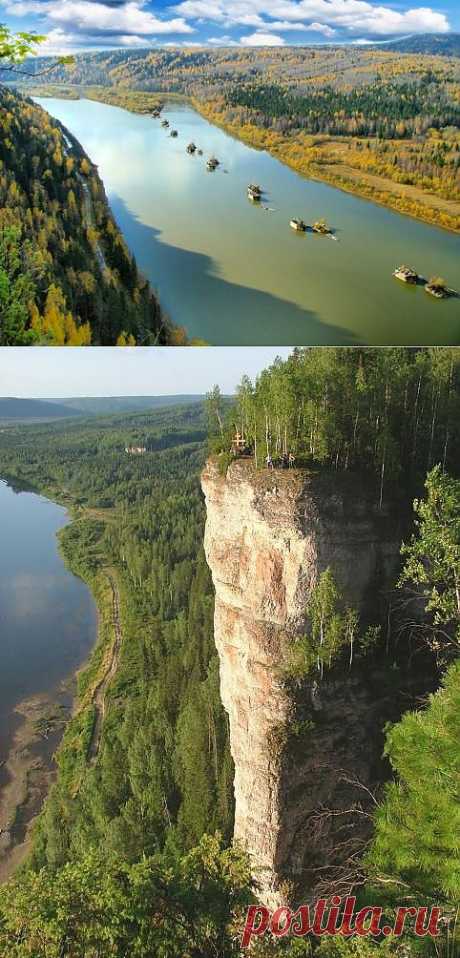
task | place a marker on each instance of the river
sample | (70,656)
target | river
(234,273)
(47,628)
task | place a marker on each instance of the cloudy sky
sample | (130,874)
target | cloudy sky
(88,24)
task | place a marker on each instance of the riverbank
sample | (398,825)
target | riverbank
(80,545)
(135,101)
(315,158)
(323,159)
(30,771)
(55,733)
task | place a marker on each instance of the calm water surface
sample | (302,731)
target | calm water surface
(233,273)
(47,615)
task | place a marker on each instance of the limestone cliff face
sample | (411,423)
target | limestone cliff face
(268,537)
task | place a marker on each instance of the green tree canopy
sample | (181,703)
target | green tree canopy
(388,412)
(162,906)
(417,839)
(15,47)
(432,566)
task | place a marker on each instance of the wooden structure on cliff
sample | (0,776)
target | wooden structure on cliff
(239,445)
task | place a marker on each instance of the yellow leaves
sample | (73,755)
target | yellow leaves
(401,161)
(126,339)
(178,336)
(87,282)
(92,236)
(54,317)
(42,239)
(71,202)
(76,335)
(57,326)
(35,319)
(41,191)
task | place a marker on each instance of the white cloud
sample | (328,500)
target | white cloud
(260,39)
(132,41)
(206,9)
(123,21)
(322,28)
(57,43)
(351,16)
(292,25)
(130,18)
(285,25)
(225,41)
(132,23)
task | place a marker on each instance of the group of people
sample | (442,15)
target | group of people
(286,461)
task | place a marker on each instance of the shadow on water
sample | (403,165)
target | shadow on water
(212,308)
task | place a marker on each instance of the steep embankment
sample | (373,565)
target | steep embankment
(66,275)
(303,753)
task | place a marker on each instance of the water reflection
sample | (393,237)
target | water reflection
(188,277)
(47,616)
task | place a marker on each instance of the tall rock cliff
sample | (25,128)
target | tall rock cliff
(299,752)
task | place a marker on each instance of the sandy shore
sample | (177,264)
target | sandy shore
(30,771)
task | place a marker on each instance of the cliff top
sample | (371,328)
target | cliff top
(313,480)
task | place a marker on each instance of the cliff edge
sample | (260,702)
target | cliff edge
(298,751)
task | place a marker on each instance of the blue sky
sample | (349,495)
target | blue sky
(73,25)
(43,372)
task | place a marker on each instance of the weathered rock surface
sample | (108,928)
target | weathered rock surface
(268,537)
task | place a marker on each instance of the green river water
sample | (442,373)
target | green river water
(234,273)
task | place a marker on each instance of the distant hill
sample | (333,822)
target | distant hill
(106,405)
(447,45)
(22,409)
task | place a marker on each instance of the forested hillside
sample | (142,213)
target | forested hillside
(66,275)
(33,409)
(121,863)
(106,405)
(447,45)
(389,111)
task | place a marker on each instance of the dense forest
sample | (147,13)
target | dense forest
(386,110)
(143,516)
(205,71)
(66,275)
(164,775)
(393,413)
(132,852)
